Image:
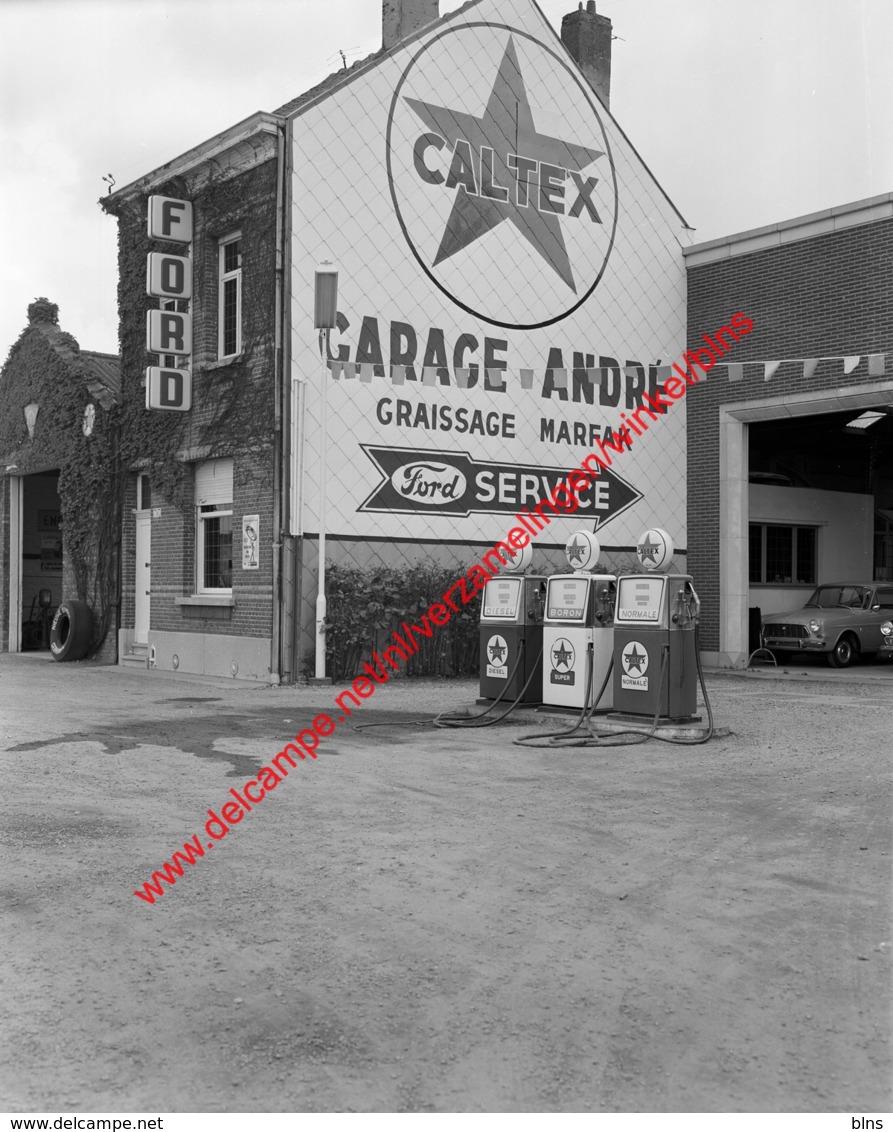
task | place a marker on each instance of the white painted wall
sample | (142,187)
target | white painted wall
(845,540)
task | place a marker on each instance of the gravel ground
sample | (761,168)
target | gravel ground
(426,920)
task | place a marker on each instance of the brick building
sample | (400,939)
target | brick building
(790,455)
(510,281)
(198,480)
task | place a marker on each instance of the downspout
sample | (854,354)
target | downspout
(291,603)
(279,448)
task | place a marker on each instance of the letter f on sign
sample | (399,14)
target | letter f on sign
(170,219)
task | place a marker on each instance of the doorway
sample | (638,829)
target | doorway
(839,408)
(35,556)
(143,568)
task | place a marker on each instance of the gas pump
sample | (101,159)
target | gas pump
(578,629)
(655,643)
(511,634)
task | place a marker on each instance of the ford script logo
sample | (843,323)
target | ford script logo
(428,483)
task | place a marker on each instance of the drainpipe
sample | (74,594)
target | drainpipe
(280,480)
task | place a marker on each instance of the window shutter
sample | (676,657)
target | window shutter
(214,482)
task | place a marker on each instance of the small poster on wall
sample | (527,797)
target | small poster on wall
(250,532)
(51,553)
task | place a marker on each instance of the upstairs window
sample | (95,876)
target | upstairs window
(229,315)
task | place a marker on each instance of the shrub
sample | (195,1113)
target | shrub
(366,605)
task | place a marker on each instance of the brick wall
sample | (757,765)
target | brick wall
(827,295)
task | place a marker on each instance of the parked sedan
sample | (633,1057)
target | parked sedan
(886,650)
(843,621)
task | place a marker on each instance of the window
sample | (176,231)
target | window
(143,492)
(229,315)
(214,526)
(781,555)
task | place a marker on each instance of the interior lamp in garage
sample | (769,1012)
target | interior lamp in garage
(325,306)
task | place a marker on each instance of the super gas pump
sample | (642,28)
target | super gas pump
(655,640)
(511,634)
(577,631)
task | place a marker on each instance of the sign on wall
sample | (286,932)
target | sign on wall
(510,284)
(530,174)
(51,553)
(250,533)
(169,331)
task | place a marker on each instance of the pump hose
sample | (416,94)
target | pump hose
(631,738)
(448,721)
(526,740)
(444,720)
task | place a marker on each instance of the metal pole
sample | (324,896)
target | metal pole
(323,437)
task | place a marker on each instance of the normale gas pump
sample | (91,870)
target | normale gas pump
(511,634)
(655,639)
(577,631)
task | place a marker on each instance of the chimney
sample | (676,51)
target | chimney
(42,311)
(587,36)
(400,18)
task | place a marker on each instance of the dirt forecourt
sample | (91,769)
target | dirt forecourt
(441,921)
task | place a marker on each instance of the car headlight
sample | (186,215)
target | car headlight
(815,626)
(887,628)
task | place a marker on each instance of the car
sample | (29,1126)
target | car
(885,652)
(842,620)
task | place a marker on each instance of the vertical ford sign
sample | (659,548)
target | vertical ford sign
(168,330)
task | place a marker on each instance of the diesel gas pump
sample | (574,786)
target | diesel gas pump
(655,642)
(577,631)
(511,635)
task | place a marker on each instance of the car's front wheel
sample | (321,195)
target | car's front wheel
(845,652)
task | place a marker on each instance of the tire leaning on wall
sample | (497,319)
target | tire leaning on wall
(70,634)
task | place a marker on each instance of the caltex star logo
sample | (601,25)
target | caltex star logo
(562,654)
(633,659)
(497,650)
(501,174)
(648,550)
(503,170)
(576,551)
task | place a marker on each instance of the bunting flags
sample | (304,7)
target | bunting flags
(467,377)
(736,371)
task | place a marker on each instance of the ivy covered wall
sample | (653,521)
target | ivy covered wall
(47,368)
